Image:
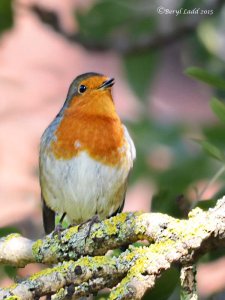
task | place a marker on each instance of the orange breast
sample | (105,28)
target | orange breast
(101,136)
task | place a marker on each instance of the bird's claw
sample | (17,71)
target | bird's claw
(57,231)
(92,221)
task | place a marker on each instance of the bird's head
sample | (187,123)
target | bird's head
(90,92)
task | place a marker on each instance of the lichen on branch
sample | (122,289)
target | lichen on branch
(85,265)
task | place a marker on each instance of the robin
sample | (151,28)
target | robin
(86,155)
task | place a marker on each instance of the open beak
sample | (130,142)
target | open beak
(108,83)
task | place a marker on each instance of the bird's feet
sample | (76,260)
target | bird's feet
(92,221)
(58,228)
(57,231)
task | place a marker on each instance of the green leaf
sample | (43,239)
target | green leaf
(165,201)
(4,231)
(215,134)
(102,296)
(6,15)
(215,254)
(206,77)
(10,271)
(212,150)
(164,286)
(104,19)
(139,77)
(142,27)
(206,204)
(109,20)
(218,108)
(220,193)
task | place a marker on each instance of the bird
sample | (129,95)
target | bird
(86,155)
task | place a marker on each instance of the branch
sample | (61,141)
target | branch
(122,44)
(16,250)
(131,273)
(188,283)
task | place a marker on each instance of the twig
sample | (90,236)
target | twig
(122,44)
(212,180)
(188,283)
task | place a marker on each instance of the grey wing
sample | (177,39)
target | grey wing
(120,208)
(132,155)
(48,217)
(131,151)
(48,214)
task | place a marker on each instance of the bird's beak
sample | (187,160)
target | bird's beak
(108,83)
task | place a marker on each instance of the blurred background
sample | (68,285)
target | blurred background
(151,49)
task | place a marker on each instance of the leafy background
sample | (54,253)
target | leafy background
(169,91)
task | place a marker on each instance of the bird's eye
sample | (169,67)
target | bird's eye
(82,88)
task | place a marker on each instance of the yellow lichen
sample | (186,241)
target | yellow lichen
(45,272)
(54,247)
(36,249)
(194,212)
(93,262)
(12,236)
(60,294)
(111,224)
(110,227)
(70,232)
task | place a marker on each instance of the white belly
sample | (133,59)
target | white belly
(82,187)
